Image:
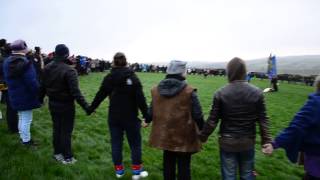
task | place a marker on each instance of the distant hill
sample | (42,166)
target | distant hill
(304,65)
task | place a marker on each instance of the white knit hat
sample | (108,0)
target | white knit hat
(177,67)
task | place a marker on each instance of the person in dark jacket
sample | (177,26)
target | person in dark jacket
(176,121)
(303,135)
(240,106)
(274,83)
(60,84)
(38,62)
(23,87)
(11,114)
(126,97)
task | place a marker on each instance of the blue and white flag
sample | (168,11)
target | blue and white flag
(272,66)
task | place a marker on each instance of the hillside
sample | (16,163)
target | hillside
(304,65)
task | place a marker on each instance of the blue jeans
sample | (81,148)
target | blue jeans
(232,161)
(25,119)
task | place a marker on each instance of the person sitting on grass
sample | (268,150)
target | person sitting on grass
(176,120)
(303,135)
(126,97)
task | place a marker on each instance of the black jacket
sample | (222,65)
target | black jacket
(126,96)
(240,106)
(60,83)
(173,85)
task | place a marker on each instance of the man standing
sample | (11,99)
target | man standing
(38,62)
(274,83)
(240,106)
(23,87)
(60,83)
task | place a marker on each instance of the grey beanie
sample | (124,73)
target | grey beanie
(177,67)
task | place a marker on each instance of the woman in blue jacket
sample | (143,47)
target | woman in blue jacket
(303,135)
(23,87)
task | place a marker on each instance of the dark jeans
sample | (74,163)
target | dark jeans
(11,115)
(63,122)
(232,161)
(171,159)
(309,177)
(134,139)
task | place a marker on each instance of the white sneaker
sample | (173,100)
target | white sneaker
(119,175)
(143,174)
(58,157)
(69,161)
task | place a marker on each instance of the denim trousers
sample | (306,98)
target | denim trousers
(25,119)
(231,162)
(132,132)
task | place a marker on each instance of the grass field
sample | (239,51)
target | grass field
(91,141)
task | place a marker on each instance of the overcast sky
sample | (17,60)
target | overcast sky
(162,30)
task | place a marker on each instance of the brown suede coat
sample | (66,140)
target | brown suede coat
(173,128)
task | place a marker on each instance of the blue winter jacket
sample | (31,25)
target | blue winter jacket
(23,87)
(303,133)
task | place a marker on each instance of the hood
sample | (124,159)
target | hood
(17,65)
(171,87)
(236,70)
(120,74)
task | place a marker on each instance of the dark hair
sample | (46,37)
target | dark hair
(119,59)
(6,50)
(37,49)
(3,42)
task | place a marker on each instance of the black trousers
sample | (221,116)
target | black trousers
(134,139)
(63,123)
(309,177)
(171,159)
(11,114)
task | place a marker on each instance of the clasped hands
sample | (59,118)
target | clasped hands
(267,149)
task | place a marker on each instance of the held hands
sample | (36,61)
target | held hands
(267,149)
(144,124)
(89,110)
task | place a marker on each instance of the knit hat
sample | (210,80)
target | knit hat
(177,67)
(19,46)
(236,69)
(62,51)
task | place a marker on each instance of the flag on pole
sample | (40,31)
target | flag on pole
(272,66)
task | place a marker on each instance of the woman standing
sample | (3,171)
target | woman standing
(176,120)
(23,87)
(303,135)
(126,96)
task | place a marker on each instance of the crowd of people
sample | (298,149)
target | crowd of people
(175,114)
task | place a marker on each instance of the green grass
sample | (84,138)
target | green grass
(91,140)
